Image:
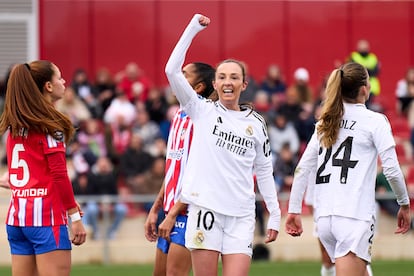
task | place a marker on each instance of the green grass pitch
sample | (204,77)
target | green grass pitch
(380,268)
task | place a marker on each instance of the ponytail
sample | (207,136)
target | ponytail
(343,85)
(26,107)
(332,110)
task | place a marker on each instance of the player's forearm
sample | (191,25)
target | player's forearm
(177,209)
(60,178)
(173,69)
(159,200)
(304,175)
(394,176)
(267,188)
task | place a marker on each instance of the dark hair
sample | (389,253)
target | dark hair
(353,76)
(205,73)
(27,107)
(344,83)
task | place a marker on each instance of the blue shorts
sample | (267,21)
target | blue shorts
(37,240)
(177,235)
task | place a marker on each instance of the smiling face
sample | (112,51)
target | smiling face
(229,83)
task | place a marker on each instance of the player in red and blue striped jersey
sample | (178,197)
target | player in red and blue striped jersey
(41,192)
(172,257)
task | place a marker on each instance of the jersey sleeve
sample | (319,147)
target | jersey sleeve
(382,134)
(394,175)
(55,153)
(385,144)
(173,70)
(303,173)
(265,182)
(60,178)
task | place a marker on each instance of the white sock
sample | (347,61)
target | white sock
(328,271)
(369,270)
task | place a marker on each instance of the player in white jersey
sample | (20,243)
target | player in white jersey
(172,257)
(344,152)
(327,267)
(230,142)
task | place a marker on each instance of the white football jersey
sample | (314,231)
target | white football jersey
(227,146)
(344,183)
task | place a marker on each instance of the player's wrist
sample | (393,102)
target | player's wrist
(75,217)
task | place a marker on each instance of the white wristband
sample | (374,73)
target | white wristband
(75,217)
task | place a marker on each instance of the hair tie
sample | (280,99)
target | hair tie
(342,73)
(27,66)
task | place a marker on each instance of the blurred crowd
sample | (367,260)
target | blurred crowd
(123,121)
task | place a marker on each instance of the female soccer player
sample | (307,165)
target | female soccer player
(172,257)
(230,143)
(42,195)
(343,154)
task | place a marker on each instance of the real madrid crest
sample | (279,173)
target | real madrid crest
(249,130)
(199,238)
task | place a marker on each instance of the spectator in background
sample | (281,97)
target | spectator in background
(158,147)
(293,111)
(405,105)
(134,162)
(261,103)
(156,105)
(117,137)
(73,107)
(120,107)
(281,131)
(284,168)
(101,180)
(405,92)
(84,89)
(118,120)
(304,96)
(151,182)
(252,87)
(274,84)
(369,60)
(165,125)
(291,108)
(134,83)
(148,130)
(104,89)
(91,138)
(301,85)
(80,163)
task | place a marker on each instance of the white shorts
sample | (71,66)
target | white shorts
(341,235)
(210,230)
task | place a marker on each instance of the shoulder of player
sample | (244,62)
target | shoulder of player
(374,115)
(256,116)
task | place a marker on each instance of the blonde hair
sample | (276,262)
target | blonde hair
(27,107)
(343,85)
